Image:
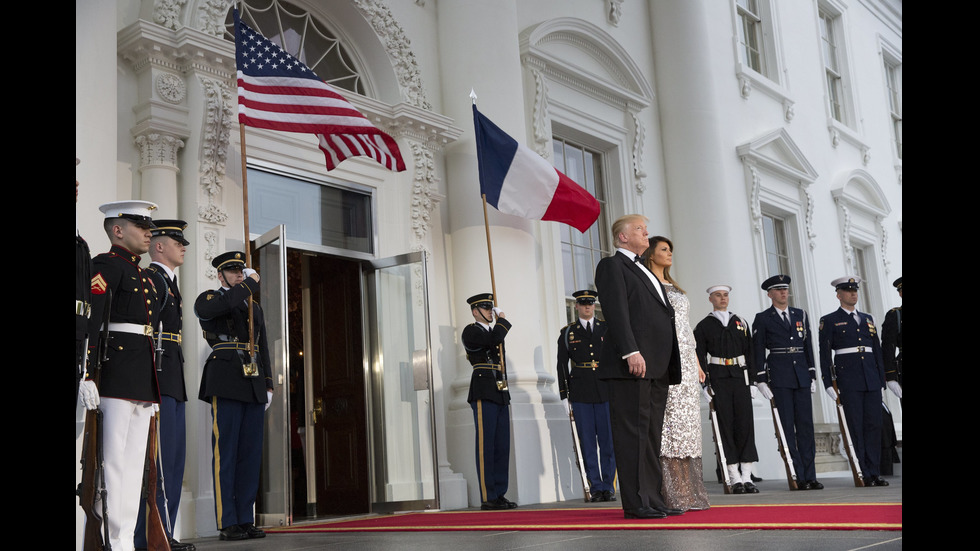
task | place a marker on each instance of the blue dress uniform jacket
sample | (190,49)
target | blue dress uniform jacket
(483,353)
(225,314)
(789,370)
(578,347)
(237,402)
(170,376)
(491,408)
(129,372)
(860,377)
(891,340)
(786,370)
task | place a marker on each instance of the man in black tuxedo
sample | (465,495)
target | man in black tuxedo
(640,359)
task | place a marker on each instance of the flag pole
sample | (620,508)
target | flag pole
(493,281)
(248,242)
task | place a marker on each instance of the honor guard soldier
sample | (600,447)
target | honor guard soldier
(850,354)
(787,374)
(724,347)
(88,394)
(891,341)
(580,346)
(167,249)
(128,385)
(483,341)
(238,385)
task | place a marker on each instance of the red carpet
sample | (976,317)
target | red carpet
(852,516)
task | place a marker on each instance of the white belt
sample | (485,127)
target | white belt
(852,350)
(737,360)
(135,328)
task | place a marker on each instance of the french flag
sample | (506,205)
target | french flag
(520,182)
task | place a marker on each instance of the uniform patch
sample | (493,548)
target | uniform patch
(98,284)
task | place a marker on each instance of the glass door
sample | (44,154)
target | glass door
(274,504)
(401,416)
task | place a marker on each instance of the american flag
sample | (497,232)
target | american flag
(278,92)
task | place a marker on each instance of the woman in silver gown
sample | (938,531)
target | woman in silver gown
(680,452)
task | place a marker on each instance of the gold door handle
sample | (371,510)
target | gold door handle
(317,409)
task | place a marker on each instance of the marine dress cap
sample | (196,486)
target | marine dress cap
(136,211)
(780,281)
(171,228)
(482,300)
(230,260)
(898,283)
(585,296)
(713,288)
(849,283)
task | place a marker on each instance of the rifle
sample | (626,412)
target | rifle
(579,461)
(846,436)
(156,535)
(716,436)
(783,448)
(92,486)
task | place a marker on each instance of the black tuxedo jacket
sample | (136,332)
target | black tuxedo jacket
(638,320)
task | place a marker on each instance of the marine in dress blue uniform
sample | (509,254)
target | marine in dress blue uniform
(489,399)
(127,384)
(579,349)
(850,353)
(789,373)
(238,387)
(724,348)
(167,249)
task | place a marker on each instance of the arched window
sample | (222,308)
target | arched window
(302,36)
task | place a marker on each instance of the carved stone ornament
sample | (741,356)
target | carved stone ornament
(219,117)
(424,196)
(171,88)
(399,49)
(158,149)
(166,13)
(211,15)
(614,12)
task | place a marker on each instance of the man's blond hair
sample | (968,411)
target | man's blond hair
(622,223)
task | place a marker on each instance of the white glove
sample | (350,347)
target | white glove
(813,386)
(707,395)
(764,389)
(269,403)
(496,311)
(88,395)
(832,393)
(156,408)
(247,272)
(568,409)
(753,391)
(895,387)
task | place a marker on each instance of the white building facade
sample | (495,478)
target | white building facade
(761,136)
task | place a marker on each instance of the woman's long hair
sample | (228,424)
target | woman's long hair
(648,255)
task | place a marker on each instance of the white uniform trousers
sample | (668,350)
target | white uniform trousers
(125,426)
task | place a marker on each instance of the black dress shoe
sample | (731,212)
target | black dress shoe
(755,478)
(814,485)
(233,532)
(750,488)
(177,546)
(875,481)
(738,488)
(596,497)
(508,504)
(607,495)
(671,512)
(494,505)
(644,513)
(252,531)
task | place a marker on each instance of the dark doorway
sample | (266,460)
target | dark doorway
(325,334)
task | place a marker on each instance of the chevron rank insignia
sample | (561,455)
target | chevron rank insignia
(98,284)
